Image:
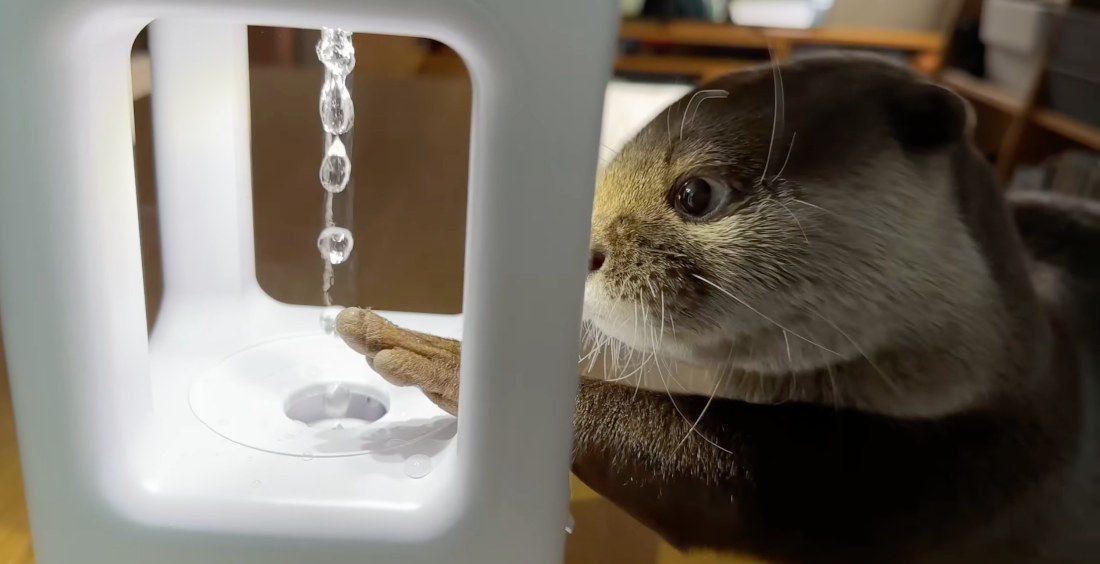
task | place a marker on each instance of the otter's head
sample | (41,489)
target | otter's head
(786,221)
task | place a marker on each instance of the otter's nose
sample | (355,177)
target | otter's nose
(596,258)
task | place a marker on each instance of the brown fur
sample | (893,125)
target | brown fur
(857,363)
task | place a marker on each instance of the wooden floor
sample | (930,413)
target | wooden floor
(15,538)
(428,112)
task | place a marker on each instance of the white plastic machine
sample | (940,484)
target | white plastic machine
(193,443)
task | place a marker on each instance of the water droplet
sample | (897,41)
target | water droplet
(336,51)
(335,244)
(569,523)
(328,319)
(338,427)
(256,484)
(307,456)
(335,168)
(417,466)
(336,108)
(336,400)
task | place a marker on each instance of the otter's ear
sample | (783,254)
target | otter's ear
(927,116)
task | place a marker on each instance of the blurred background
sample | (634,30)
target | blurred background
(1029,67)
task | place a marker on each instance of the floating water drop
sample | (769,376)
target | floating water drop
(417,466)
(336,400)
(335,168)
(569,523)
(328,319)
(336,51)
(337,110)
(335,244)
(307,456)
(256,484)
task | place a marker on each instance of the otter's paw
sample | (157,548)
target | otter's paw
(403,357)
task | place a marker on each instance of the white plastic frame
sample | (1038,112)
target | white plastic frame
(95,401)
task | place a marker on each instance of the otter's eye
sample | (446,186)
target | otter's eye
(699,197)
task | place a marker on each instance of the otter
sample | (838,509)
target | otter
(864,351)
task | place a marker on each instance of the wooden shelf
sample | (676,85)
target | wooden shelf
(1012,121)
(693,33)
(729,35)
(925,48)
(896,39)
(1068,127)
(982,90)
(703,68)
(994,96)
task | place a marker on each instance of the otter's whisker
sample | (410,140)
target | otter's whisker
(885,378)
(615,355)
(786,160)
(654,347)
(757,312)
(587,332)
(788,342)
(702,412)
(722,377)
(671,320)
(634,335)
(793,216)
(657,365)
(661,334)
(604,351)
(832,383)
(815,206)
(672,400)
(592,350)
(667,253)
(668,124)
(671,373)
(599,342)
(861,225)
(621,364)
(604,358)
(694,103)
(777,112)
(626,376)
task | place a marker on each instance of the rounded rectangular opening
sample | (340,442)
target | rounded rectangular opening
(264,405)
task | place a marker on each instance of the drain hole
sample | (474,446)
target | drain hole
(336,403)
